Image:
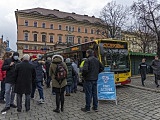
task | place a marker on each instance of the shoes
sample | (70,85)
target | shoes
(2,101)
(27,110)
(157,86)
(18,110)
(41,101)
(62,109)
(96,110)
(13,105)
(56,110)
(5,109)
(67,94)
(85,110)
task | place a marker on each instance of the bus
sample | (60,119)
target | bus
(113,54)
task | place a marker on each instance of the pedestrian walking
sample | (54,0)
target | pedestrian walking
(37,63)
(25,75)
(156,69)
(58,86)
(143,70)
(9,66)
(92,67)
(3,76)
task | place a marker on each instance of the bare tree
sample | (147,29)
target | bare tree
(114,16)
(148,12)
(144,36)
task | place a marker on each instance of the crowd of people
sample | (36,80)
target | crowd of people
(28,74)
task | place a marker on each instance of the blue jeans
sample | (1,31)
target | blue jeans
(90,88)
(2,90)
(68,89)
(74,84)
(9,94)
(40,90)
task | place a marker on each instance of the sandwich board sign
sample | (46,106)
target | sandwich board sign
(106,86)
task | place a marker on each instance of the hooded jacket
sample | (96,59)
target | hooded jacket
(55,60)
(156,66)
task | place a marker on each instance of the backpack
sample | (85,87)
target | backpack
(60,73)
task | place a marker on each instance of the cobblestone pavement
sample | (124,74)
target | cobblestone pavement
(133,104)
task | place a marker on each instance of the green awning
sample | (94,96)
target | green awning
(142,54)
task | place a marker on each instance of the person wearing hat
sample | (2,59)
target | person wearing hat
(37,63)
(9,66)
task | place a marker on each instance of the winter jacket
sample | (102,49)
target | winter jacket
(92,67)
(70,73)
(143,68)
(25,75)
(55,60)
(39,70)
(156,66)
(10,70)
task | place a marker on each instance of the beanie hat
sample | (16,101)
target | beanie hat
(16,54)
(34,57)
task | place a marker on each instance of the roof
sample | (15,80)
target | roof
(59,14)
(142,54)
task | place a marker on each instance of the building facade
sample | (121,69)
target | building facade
(40,30)
(3,46)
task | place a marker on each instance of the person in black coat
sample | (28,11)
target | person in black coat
(143,70)
(25,75)
(92,67)
(48,63)
(9,66)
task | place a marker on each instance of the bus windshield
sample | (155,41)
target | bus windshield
(115,58)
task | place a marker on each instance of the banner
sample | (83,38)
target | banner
(106,86)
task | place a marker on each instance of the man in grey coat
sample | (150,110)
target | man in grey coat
(156,69)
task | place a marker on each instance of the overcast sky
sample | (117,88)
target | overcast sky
(8,8)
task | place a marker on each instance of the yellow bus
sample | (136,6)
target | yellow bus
(113,54)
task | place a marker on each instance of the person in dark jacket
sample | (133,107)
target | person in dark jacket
(70,75)
(92,67)
(48,63)
(37,63)
(9,66)
(25,75)
(156,69)
(143,70)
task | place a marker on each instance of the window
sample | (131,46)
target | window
(60,39)
(43,38)
(35,24)
(72,29)
(43,25)
(60,27)
(103,33)
(67,28)
(85,30)
(35,37)
(51,26)
(70,39)
(79,29)
(34,47)
(91,31)
(26,23)
(92,39)
(86,40)
(26,36)
(51,38)
(51,48)
(79,40)
(26,47)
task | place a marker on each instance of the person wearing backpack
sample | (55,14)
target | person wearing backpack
(57,83)
(70,75)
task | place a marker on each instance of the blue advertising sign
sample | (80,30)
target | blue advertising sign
(106,86)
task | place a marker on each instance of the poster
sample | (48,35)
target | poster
(106,86)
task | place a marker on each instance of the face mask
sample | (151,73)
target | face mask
(15,57)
